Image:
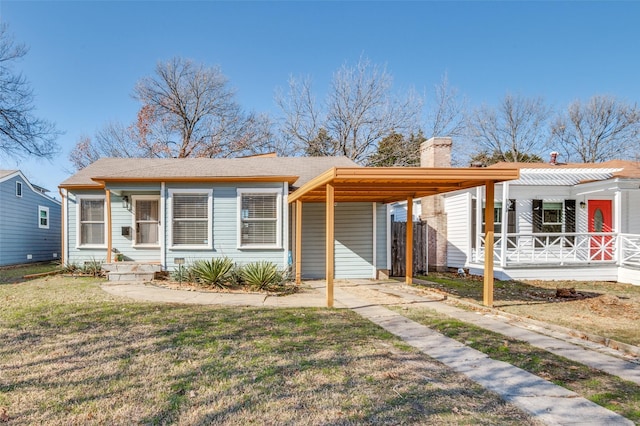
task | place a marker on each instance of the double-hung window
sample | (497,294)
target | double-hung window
(43,217)
(91,223)
(260,212)
(191,218)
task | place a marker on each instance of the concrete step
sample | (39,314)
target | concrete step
(134,267)
(131,276)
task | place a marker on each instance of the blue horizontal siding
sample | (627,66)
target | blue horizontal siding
(20,234)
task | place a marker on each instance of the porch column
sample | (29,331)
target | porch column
(298,241)
(487,298)
(504,219)
(409,237)
(109,227)
(329,243)
(617,226)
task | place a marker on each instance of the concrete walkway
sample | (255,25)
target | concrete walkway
(545,401)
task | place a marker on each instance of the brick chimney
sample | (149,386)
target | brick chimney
(435,152)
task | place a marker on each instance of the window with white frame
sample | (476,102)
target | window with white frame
(259,217)
(191,219)
(43,217)
(92,221)
(18,189)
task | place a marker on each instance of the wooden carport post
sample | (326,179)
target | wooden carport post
(329,243)
(298,241)
(109,226)
(487,298)
(409,250)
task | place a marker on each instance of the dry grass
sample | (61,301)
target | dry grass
(606,309)
(71,354)
(611,392)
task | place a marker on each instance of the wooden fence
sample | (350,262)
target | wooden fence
(398,248)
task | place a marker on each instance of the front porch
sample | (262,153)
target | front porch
(606,256)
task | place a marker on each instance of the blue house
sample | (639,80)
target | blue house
(326,217)
(29,221)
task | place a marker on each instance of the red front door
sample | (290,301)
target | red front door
(600,220)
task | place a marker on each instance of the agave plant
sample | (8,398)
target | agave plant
(214,272)
(261,275)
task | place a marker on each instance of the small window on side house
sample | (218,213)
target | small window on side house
(43,217)
(18,189)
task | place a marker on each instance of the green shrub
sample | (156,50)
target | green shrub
(214,272)
(262,275)
(183,274)
(92,267)
(235,275)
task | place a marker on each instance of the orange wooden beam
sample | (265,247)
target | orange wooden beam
(409,244)
(329,243)
(109,226)
(298,242)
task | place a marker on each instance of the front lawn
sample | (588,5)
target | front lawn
(72,354)
(606,309)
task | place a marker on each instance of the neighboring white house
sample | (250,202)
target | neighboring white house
(398,211)
(557,222)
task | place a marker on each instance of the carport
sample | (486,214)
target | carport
(388,185)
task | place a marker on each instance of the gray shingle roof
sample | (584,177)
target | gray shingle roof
(304,168)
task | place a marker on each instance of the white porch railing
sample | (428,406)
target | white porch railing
(563,249)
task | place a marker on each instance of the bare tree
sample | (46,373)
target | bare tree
(187,110)
(602,129)
(360,110)
(514,131)
(196,111)
(446,113)
(22,134)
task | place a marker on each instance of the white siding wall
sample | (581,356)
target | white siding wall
(458,208)
(313,240)
(632,212)
(381,237)
(353,240)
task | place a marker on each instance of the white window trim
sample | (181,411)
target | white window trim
(278,193)
(134,199)
(169,224)
(79,199)
(19,189)
(43,209)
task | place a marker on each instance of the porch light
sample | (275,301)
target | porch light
(125,201)
(583,204)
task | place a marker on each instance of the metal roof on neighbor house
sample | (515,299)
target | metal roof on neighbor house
(571,173)
(562,177)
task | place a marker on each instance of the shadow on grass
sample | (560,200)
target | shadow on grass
(159,364)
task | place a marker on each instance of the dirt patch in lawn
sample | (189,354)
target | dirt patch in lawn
(606,309)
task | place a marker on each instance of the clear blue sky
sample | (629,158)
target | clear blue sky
(86,56)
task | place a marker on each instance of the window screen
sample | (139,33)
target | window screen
(259,219)
(92,224)
(190,219)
